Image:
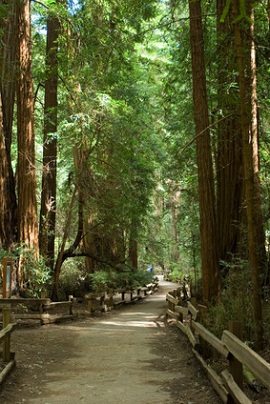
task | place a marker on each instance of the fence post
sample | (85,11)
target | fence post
(110,293)
(235,366)
(174,294)
(7,277)
(6,309)
(90,302)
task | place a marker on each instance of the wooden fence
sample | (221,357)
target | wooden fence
(35,309)
(7,356)
(112,298)
(41,310)
(229,383)
(48,312)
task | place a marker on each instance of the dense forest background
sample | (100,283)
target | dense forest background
(134,134)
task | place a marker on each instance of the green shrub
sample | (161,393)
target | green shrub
(73,280)
(35,275)
(141,278)
(100,280)
(119,280)
(235,304)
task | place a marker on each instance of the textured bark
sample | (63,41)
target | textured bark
(48,192)
(175,196)
(133,245)
(27,204)
(8,203)
(209,257)
(229,168)
(7,213)
(249,128)
(8,67)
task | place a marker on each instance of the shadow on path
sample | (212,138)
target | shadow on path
(126,356)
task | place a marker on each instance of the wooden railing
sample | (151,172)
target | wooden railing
(38,309)
(110,298)
(42,311)
(48,312)
(229,383)
(7,356)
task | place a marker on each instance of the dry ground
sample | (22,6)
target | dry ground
(127,355)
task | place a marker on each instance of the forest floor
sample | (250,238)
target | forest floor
(128,355)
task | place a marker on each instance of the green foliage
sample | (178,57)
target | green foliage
(226,10)
(176,273)
(36,274)
(235,304)
(133,116)
(101,280)
(72,280)
(242,14)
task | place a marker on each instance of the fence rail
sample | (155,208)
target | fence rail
(111,298)
(230,381)
(8,328)
(44,310)
(36,309)
(48,312)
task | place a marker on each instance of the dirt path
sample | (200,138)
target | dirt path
(128,355)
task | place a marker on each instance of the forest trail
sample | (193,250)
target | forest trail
(128,355)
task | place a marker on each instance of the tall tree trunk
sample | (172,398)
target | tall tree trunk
(27,203)
(8,203)
(209,257)
(48,192)
(7,211)
(133,244)
(229,168)
(175,195)
(249,127)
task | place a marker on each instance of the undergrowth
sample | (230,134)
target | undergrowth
(77,282)
(236,304)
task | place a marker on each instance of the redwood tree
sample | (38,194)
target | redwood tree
(8,203)
(229,167)
(48,191)
(245,50)
(209,255)
(27,203)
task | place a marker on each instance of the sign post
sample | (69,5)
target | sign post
(7,277)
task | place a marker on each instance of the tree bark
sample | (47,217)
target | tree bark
(249,127)
(48,192)
(229,167)
(209,257)
(8,202)
(27,203)
(133,245)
